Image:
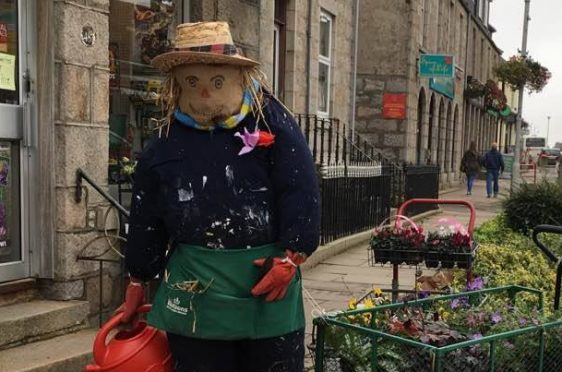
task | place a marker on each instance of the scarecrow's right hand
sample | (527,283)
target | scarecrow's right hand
(134,298)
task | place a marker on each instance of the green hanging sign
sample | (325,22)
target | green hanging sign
(436,66)
(445,86)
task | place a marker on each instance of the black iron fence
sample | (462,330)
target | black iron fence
(359,185)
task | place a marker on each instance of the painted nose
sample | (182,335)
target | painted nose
(205,93)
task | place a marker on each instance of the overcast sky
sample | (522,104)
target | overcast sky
(545,45)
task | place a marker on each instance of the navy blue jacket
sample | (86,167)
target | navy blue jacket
(192,187)
(493,160)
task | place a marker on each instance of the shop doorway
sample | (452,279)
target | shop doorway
(15,138)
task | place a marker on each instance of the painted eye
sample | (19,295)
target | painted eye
(192,81)
(218,83)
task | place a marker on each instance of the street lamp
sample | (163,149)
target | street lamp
(547,130)
(516,171)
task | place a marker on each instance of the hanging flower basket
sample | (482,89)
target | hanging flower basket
(397,243)
(474,88)
(494,98)
(523,71)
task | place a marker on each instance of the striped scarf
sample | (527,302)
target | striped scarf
(228,123)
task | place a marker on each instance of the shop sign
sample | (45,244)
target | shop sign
(394,106)
(3,37)
(445,86)
(436,65)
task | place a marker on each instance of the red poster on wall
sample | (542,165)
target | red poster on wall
(394,106)
(3,38)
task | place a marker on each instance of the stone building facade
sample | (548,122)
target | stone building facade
(90,108)
(439,121)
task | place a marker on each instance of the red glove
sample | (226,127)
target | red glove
(134,298)
(276,281)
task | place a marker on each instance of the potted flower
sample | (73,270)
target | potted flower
(397,244)
(449,244)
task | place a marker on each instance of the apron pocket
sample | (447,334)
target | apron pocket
(207,315)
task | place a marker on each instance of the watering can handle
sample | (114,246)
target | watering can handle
(99,341)
(469,205)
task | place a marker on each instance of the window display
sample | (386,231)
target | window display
(139,30)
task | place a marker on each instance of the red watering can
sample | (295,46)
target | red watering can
(141,349)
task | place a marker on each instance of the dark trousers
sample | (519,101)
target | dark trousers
(278,354)
(492,176)
(470,182)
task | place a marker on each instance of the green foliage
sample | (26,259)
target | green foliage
(506,257)
(523,71)
(533,205)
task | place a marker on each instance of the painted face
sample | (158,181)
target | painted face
(210,93)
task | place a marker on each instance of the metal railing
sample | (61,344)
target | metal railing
(100,258)
(359,184)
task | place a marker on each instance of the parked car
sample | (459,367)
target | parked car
(550,156)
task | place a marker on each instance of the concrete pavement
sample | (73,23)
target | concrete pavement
(335,280)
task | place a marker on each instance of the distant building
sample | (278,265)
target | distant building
(439,121)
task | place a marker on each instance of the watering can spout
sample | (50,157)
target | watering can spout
(141,349)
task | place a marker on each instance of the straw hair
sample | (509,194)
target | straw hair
(202,42)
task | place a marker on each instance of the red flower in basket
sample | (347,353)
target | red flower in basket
(266,139)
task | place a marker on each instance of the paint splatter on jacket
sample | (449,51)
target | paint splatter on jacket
(192,187)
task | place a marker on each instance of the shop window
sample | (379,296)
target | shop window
(139,30)
(325,63)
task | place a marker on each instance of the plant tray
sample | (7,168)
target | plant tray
(449,260)
(530,347)
(395,256)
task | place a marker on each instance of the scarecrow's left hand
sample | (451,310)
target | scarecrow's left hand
(275,282)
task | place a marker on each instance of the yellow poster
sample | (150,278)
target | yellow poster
(7,71)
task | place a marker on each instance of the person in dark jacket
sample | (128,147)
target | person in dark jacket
(470,165)
(493,161)
(225,207)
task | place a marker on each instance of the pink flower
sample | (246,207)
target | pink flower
(250,140)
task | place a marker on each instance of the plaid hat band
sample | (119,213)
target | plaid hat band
(224,49)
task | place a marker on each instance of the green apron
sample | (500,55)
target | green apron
(206,294)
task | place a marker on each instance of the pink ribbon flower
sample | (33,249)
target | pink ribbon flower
(250,140)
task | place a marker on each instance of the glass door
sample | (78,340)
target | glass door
(14,263)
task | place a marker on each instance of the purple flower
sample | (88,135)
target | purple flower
(496,318)
(475,284)
(522,321)
(423,294)
(459,302)
(476,336)
(250,140)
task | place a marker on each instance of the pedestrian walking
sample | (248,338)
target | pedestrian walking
(493,161)
(230,188)
(470,165)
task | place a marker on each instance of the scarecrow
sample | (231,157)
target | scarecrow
(225,208)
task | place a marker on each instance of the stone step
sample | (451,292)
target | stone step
(18,291)
(68,353)
(39,319)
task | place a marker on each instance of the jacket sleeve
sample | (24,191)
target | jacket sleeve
(295,182)
(147,237)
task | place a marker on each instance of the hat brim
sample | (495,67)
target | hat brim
(167,61)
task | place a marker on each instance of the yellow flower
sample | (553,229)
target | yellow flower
(377,291)
(369,303)
(352,304)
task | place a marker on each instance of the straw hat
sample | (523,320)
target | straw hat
(202,42)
